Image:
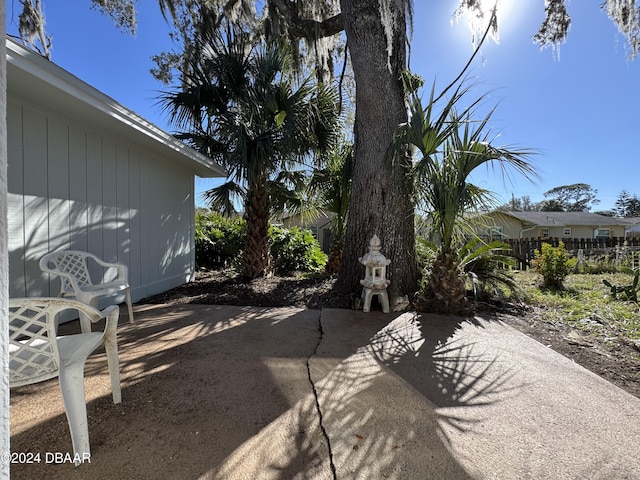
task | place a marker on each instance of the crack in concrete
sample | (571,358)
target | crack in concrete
(317,401)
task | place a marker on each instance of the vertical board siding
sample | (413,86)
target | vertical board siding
(150,218)
(123,219)
(165,213)
(71,186)
(110,245)
(15,200)
(58,185)
(94,193)
(36,204)
(171,235)
(135,224)
(79,214)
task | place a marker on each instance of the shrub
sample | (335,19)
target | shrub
(219,241)
(295,250)
(554,264)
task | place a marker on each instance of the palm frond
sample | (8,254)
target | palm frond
(223,198)
(442,177)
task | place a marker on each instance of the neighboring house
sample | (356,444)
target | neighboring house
(511,225)
(633,230)
(319,226)
(86,173)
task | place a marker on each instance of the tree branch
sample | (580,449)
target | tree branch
(493,22)
(304,27)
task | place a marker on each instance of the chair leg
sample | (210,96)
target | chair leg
(111,347)
(72,387)
(85,322)
(129,306)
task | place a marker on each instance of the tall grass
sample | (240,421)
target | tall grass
(585,304)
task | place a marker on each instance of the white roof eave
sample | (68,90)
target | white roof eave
(42,81)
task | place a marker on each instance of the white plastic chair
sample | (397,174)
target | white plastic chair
(36,354)
(72,267)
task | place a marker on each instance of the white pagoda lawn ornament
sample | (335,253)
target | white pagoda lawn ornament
(375,281)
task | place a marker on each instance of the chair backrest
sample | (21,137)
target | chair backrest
(70,265)
(33,348)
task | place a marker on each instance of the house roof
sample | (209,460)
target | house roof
(33,76)
(634,224)
(566,219)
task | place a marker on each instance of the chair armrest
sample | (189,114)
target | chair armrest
(111,313)
(123,272)
(108,312)
(121,268)
(93,313)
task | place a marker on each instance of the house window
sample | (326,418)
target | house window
(495,232)
(602,233)
(567,232)
(544,232)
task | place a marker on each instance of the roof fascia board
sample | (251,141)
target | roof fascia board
(151,136)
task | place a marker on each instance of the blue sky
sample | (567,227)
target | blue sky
(578,110)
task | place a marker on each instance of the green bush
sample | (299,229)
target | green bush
(219,241)
(554,264)
(295,250)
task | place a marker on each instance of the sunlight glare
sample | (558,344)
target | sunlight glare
(478,22)
(505,11)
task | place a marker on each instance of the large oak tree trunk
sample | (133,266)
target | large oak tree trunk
(381,198)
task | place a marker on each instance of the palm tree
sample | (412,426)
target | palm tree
(452,146)
(241,105)
(329,189)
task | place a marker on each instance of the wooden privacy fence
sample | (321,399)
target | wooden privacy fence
(523,248)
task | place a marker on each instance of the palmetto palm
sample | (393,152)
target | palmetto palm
(330,190)
(241,105)
(452,145)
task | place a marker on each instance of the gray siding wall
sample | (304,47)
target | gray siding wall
(72,186)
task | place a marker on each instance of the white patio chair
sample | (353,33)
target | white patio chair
(36,354)
(72,266)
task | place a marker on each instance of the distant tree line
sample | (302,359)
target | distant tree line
(627,205)
(577,197)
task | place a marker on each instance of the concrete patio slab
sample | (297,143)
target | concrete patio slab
(434,397)
(222,392)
